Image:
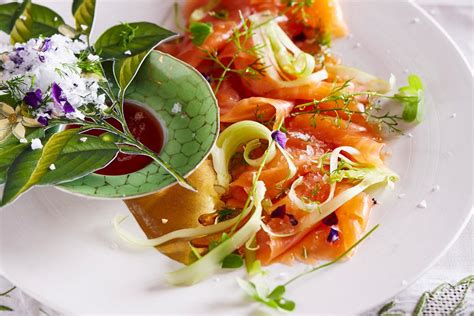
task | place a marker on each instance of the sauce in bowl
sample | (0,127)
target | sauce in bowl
(146,128)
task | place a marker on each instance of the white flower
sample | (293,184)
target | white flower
(12,121)
(40,63)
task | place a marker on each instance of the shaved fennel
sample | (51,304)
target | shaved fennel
(229,141)
(211,262)
(369,175)
(187,233)
(370,82)
(285,62)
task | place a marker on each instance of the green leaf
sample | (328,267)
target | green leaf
(134,38)
(4,308)
(7,16)
(126,69)
(33,21)
(232,261)
(199,32)
(12,148)
(71,157)
(78,159)
(83,12)
(412,98)
(8,155)
(285,304)
(277,292)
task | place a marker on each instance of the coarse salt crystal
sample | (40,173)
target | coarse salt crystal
(127,52)
(83,139)
(36,144)
(357,45)
(84,27)
(422,204)
(415,20)
(164,220)
(22,17)
(401,195)
(55,18)
(410,135)
(23,140)
(453,115)
(176,108)
(52,167)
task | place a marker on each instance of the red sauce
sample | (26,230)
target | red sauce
(146,128)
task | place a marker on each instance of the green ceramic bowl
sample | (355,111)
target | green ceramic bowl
(190,133)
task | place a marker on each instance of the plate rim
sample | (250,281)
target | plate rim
(460,230)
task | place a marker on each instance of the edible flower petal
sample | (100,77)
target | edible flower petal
(34,99)
(333,235)
(280,138)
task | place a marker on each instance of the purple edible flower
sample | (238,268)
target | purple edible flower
(34,99)
(56,93)
(46,45)
(17,59)
(280,138)
(333,235)
(68,108)
(43,120)
(279,212)
(293,220)
(330,220)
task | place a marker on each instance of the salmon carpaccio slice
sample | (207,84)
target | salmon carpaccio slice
(312,246)
(339,132)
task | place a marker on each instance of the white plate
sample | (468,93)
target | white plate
(62,250)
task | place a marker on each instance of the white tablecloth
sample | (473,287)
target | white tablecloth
(457,17)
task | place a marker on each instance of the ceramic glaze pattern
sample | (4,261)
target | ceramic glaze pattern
(188,110)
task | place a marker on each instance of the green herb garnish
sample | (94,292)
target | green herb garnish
(275,298)
(199,32)
(412,98)
(232,261)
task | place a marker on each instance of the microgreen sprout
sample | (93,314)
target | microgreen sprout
(410,97)
(275,299)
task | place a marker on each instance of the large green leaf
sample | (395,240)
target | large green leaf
(8,154)
(72,159)
(34,21)
(83,12)
(126,69)
(131,38)
(12,148)
(78,159)
(7,16)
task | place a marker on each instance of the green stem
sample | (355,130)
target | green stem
(129,139)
